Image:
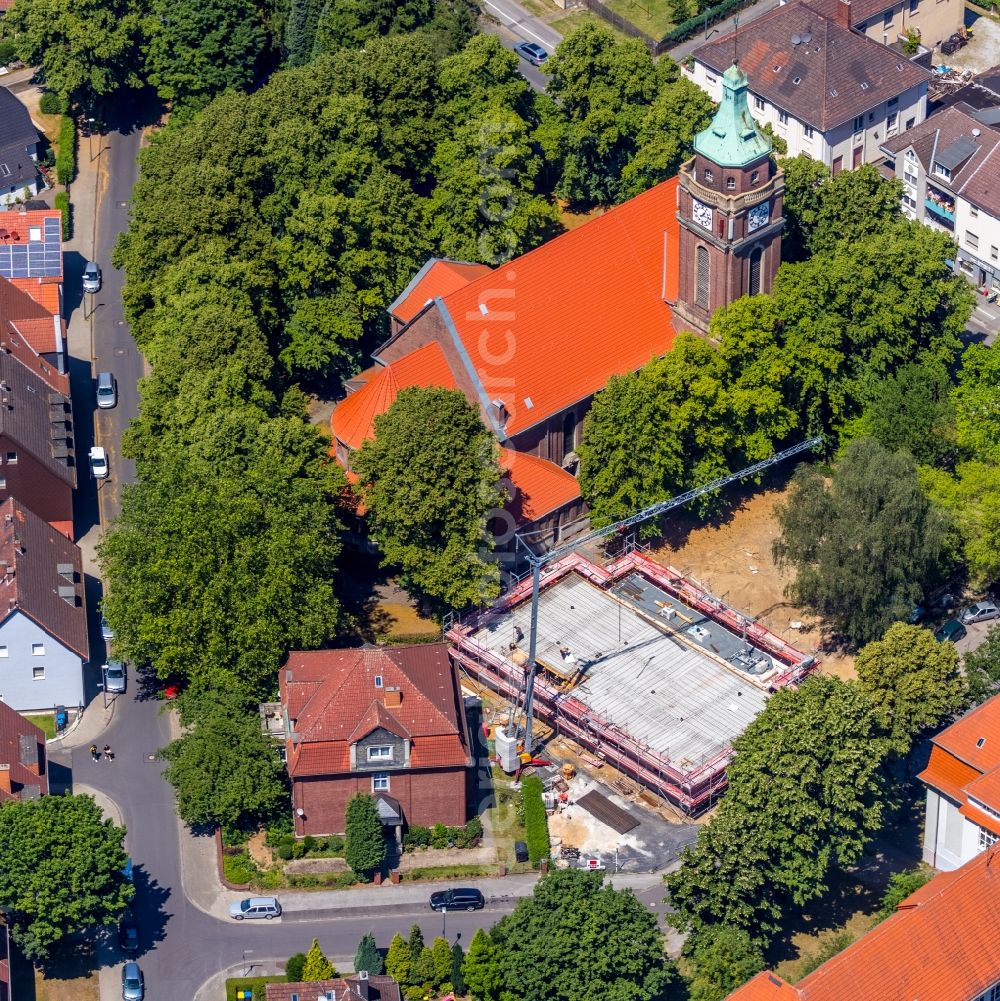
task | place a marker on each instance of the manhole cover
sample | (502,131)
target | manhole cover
(151,757)
(123,205)
(121,352)
(119,323)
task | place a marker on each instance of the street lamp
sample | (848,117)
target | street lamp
(444,922)
(247,968)
(90,137)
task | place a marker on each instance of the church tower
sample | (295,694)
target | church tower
(730,211)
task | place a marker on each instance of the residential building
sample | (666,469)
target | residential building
(361,987)
(829,92)
(43,629)
(531,342)
(18,151)
(387,721)
(5,977)
(31,259)
(963,788)
(950,169)
(942,944)
(888,21)
(37,446)
(23,770)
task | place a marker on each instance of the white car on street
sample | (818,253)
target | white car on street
(98,462)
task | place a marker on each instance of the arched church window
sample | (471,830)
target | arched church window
(701,276)
(569,432)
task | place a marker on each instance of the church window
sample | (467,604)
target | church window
(569,433)
(755,258)
(709,176)
(731,183)
(755,177)
(701,277)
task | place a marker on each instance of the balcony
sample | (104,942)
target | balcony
(941,207)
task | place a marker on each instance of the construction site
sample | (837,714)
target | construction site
(637,664)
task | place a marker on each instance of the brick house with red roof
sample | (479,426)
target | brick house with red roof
(942,944)
(362,987)
(23,769)
(386,721)
(963,788)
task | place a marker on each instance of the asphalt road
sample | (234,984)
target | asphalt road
(181,946)
(512,24)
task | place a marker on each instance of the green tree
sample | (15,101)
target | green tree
(441,954)
(977,404)
(575,938)
(61,872)
(916,680)
(481,969)
(194,51)
(982,668)
(721,959)
(317,966)
(224,770)
(368,956)
(901,885)
(415,942)
(657,432)
(913,410)
(422,970)
(807,792)
(294,967)
(865,546)
(87,50)
(365,848)
(397,959)
(457,977)
(430,479)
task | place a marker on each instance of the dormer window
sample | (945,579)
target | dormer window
(380,752)
(941,170)
(378,680)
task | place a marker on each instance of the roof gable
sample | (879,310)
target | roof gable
(805,63)
(436,278)
(975,738)
(537,486)
(22,748)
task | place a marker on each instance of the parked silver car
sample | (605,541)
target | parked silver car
(981,611)
(133,985)
(91,278)
(255,907)
(114,677)
(107,391)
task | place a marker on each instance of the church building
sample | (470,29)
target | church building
(532,341)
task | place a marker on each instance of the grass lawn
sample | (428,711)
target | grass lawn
(255,984)
(507,826)
(46,722)
(540,8)
(567,24)
(449,872)
(651,16)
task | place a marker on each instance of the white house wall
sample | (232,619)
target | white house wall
(62,683)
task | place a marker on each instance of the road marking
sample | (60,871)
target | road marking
(513,23)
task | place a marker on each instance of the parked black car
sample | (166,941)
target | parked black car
(466,899)
(128,933)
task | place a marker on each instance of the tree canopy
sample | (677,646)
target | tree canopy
(62,871)
(863,545)
(916,680)
(430,478)
(575,938)
(225,771)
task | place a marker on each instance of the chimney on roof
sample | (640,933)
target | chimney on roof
(393,697)
(844,14)
(5,785)
(363,988)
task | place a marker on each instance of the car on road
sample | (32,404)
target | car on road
(114,677)
(128,933)
(255,907)
(91,278)
(107,391)
(981,611)
(535,54)
(952,630)
(107,633)
(462,899)
(133,985)
(98,462)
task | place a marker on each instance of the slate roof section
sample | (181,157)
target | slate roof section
(834,77)
(942,944)
(332,701)
(549,328)
(22,748)
(438,277)
(379,988)
(33,416)
(17,134)
(31,552)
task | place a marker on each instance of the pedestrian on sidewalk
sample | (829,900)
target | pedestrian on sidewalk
(93,752)
(107,752)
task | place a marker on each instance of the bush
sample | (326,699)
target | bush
(66,157)
(417,837)
(50,103)
(294,966)
(536,822)
(408,639)
(440,836)
(284,851)
(335,844)
(62,203)
(473,832)
(279,830)
(7,52)
(239,868)
(308,844)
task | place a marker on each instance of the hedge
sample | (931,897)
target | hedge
(66,157)
(50,103)
(62,203)
(536,822)
(690,27)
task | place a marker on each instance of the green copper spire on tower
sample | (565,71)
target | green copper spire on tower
(733,139)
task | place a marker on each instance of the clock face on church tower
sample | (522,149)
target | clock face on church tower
(702,214)
(758,216)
